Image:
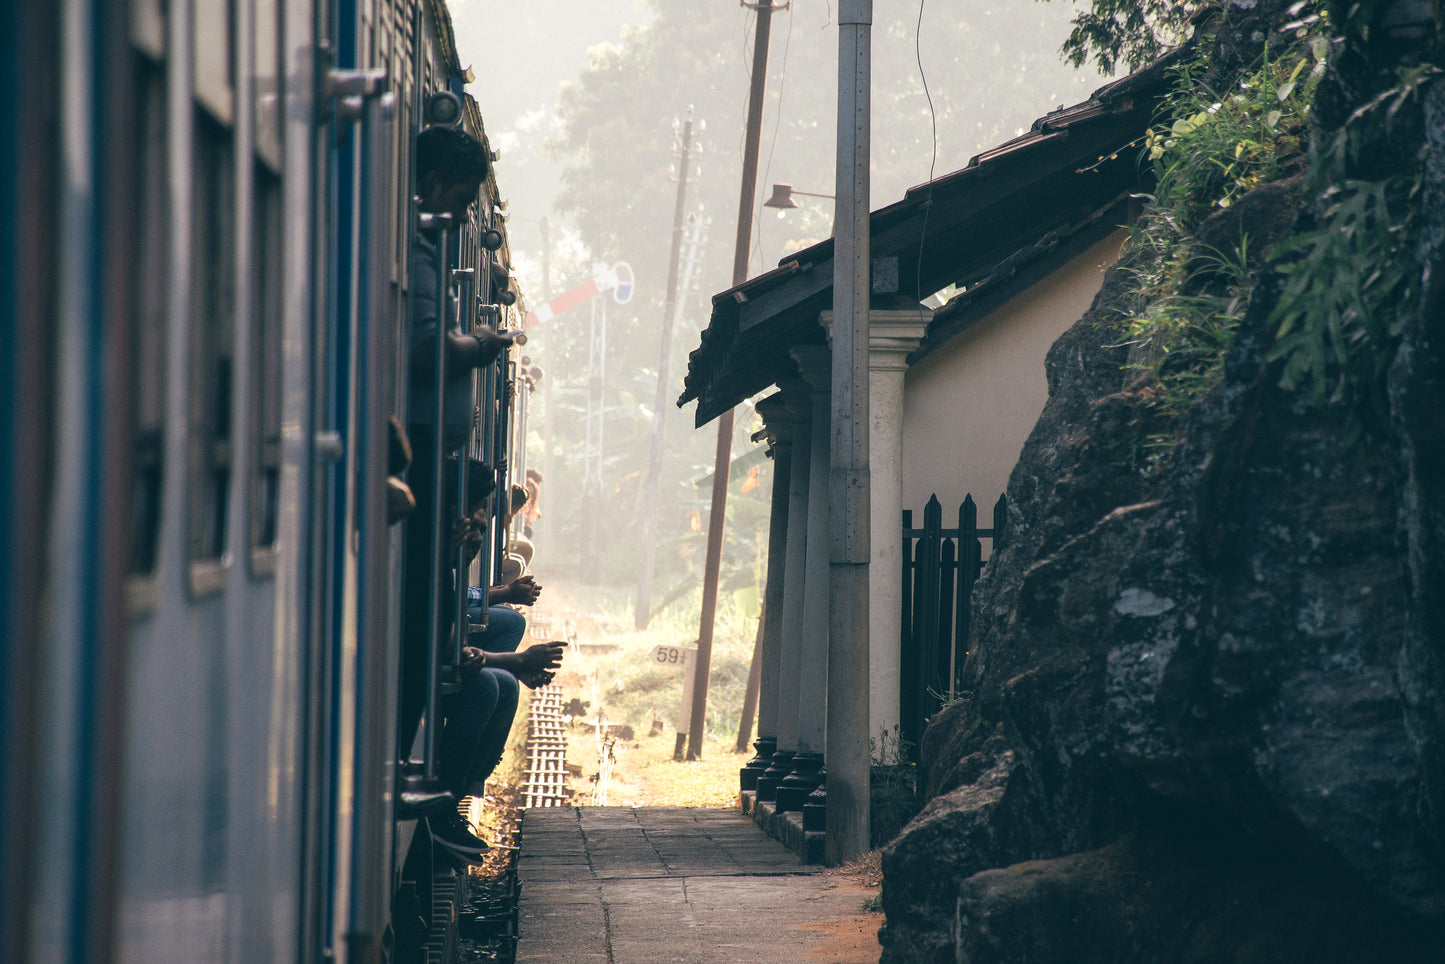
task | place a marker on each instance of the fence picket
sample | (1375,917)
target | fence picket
(910,708)
(970,564)
(941,672)
(926,613)
(940,569)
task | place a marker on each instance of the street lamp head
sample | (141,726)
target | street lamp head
(782,197)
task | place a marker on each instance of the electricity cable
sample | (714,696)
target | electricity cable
(933,159)
(746,25)
(772,147)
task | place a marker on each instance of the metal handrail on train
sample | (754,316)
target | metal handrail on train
(486,431)
(465,277)
(500,446)
(441,223)
(519,444)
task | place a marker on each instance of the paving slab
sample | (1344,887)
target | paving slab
(647,885)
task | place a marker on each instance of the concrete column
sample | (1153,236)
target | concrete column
(799,407)
(814,364)
(778,425)
(893,334)
(850,503)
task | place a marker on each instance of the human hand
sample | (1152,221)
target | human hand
(490,343)
(473,659)
(541,657)
(536,679)
(523,591)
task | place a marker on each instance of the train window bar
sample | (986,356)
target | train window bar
(466,280)
(442,223)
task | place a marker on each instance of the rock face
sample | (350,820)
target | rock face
(1205,711)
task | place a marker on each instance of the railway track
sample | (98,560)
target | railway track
(545,780)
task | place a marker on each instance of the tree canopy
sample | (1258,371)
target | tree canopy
(1127,32)
(946,85)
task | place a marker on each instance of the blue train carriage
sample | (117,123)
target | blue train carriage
(202,303)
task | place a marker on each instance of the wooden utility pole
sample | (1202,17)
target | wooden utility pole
(641,613)
(747,201)
(755,681)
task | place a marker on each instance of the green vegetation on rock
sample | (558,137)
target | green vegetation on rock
(1212,147)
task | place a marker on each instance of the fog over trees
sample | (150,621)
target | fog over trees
(583,101)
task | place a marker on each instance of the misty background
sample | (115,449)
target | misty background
(584,102)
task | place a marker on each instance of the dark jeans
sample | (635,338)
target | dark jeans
(478,721)
(505,628)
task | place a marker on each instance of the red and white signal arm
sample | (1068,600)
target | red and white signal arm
(622,290)
(618,279)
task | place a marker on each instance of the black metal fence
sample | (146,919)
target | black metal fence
(940,567)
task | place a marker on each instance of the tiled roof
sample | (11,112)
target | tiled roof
(994,227)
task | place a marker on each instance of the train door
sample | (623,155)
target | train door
(354,694)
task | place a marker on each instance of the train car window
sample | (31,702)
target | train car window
(213,349)
(366,43)
(379,39)
(268,83)
(148,27)
(215,55)
(149,358)
(266,370)
(403,146)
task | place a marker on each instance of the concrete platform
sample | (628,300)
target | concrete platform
(624,885)
(785,827)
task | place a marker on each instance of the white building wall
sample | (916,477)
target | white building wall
(969,407)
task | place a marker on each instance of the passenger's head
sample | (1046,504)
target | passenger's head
(481,481)
(450,168)
(518,500)
(534,494)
